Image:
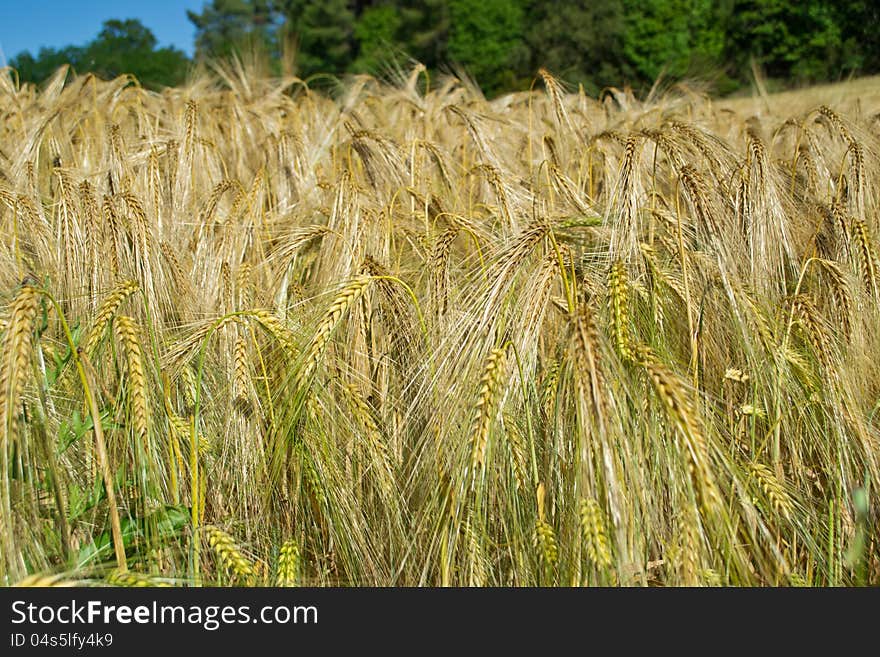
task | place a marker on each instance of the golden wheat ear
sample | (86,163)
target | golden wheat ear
(493,371)
(108,308)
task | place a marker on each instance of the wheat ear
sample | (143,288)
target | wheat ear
(341,303)
(17,343)
(137,382)
(107,309)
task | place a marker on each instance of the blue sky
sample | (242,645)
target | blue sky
(32,24)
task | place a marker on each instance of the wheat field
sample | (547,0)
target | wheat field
(392,333)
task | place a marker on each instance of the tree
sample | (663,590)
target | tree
(486,37)
(793,40)
(323,32)
(579,42)
(502,43)
(127,46)
(47,61)
(425,30)
(376,31)
(227,26)
(386,30)
(673,37)
(122,46)
(858,21)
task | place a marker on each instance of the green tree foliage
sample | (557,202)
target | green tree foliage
(858,21)
(425,30)
(790,40)
(129,47)
(486,37)
(502,43)
(227,26)
(579,41)
(672,37)
(377,30)
(47,61)
(122,46)
(324,33)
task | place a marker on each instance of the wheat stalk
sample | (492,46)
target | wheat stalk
(137,381)
(45,581)
(841,295)
(333,315)
(130,579)
(593,530)
(229,554)
(680,410)
(120,292)
(17,342)
(867,256)
(545,537)
(618,300)
(774,490)
(288,564)
(486,410)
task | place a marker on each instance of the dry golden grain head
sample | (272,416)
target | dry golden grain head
(276,328)
(867,255)
(333,315)
(440,268)
(107,309)
(244,285)
(139,220)
(190,117)
(679,407)
(114,234)
(588,361)
(187,346)
(549,388)
(476,556)
(813,326)
(394,311)
(834,119)
(241,378)
(737,375)
(522,246)
(180,279)
(518,453)
(540,497)
(377,451)
(840,292)
(689,542)
(225,300)
(555,91)
(758,156)
(486,408)
(16,354)
(136,382)
(698,192)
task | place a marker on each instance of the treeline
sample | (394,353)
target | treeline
(501,43)
(122,46)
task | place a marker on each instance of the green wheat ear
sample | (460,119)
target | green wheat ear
(288,564)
